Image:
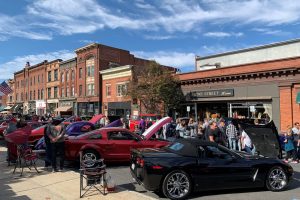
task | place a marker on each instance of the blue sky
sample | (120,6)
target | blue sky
(171,32)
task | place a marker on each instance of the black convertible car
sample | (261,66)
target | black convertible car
(189,165)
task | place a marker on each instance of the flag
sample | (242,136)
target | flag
(5,89)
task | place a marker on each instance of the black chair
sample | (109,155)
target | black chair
(93,173)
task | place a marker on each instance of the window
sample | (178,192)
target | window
(72,91)
(39,94)
(120,135)
(30,81)
(216,153)
(90,71)
(22,97)
(34,95)
(49,76)
(26,96)
(42,94)
(80,72)
(80,90)
(30,96)
(73,75)
(67,92)
(49,93)
(67,76)
(90,89)
(62,77)
(56,75)
(38,79)
(108,90)
(62,92)
(121,89)
(55,92)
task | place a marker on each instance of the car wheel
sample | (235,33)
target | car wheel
(89,158)
(177,185)
(276,179)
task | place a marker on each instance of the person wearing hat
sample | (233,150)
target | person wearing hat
(47,131)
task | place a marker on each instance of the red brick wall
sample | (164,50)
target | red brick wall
(113,83)
(286,115)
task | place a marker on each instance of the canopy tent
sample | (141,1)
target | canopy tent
(63,109)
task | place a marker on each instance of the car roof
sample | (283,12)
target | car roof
(190,147)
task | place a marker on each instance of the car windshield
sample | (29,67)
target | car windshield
(177,146)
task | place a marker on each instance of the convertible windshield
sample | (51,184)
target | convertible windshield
(176,146)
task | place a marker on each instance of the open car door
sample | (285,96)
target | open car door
(265,139)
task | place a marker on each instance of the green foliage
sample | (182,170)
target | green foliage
(154,85)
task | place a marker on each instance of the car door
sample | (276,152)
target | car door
(219,169)
(119,144)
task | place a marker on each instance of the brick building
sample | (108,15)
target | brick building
(68,93)
(10,97)
(91,59)
(29,89)
(52,85)
(259,82)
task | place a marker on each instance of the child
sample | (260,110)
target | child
(289,146)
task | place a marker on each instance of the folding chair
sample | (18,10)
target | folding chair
(94,176)
(26,158)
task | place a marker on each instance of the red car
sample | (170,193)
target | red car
(135,120)
(3,126)
(113,144)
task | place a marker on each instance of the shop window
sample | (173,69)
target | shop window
(108,90)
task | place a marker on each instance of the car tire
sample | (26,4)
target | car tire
(277,179)
(88,156)
(174,189)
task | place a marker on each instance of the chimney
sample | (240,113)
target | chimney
(27,65)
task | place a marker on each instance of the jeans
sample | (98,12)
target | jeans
(232,143)
(48,154)
(58,148)
(248,149)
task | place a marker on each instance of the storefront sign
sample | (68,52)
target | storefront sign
(212,93)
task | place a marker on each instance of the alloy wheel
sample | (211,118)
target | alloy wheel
(178,185)
(89,159)
(277,179)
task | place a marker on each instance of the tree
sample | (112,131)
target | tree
(155,86)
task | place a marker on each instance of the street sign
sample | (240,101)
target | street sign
(188,108)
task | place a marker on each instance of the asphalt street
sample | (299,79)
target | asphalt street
(122,177)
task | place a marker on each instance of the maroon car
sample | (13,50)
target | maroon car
(113,144)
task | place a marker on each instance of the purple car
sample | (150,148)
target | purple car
(78,128)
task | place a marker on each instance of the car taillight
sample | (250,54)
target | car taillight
(157,167)
(140,162)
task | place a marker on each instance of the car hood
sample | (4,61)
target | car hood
(96,118)
(265,139)
(155,127)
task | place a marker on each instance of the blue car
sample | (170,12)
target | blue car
(78,128)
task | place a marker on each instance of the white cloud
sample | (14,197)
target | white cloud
(159,37)
(18,63)
(222,34)
(181,60)
(268,31)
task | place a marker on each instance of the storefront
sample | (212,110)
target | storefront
(122,109)
(52,104)
(244,101)
(88,108)
(32,107)
(66,108)
(40,107)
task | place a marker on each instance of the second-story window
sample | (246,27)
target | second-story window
(34,95)
(62,92)
(49,93)
(121,89)
(80,72)
(68,91)
(80,90)
(72,91)
(49,76)
(56,75)
(39,95)
(73,75)
(62,77)
(90,89)
(67,76)
(108,90)
(30,95)
(55,92)
(42,93)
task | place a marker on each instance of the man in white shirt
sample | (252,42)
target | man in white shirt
(246,142)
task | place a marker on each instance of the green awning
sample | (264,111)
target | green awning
(298,98)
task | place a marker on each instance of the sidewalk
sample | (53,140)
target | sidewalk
(49,186)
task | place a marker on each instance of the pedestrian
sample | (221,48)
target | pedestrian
(212,132)
(246,142)
(201,129)
(57,140)
(289,146)
(47,131)
(142,125)
(231,134)
(296,135)
(222,132)
(181,129)
(193,128)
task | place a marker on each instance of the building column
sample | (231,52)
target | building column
(286,106)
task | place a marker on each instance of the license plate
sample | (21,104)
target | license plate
(132,166)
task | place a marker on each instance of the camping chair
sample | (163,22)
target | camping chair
(93,172)
(25,158)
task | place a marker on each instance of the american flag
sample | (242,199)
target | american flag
(5,89)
